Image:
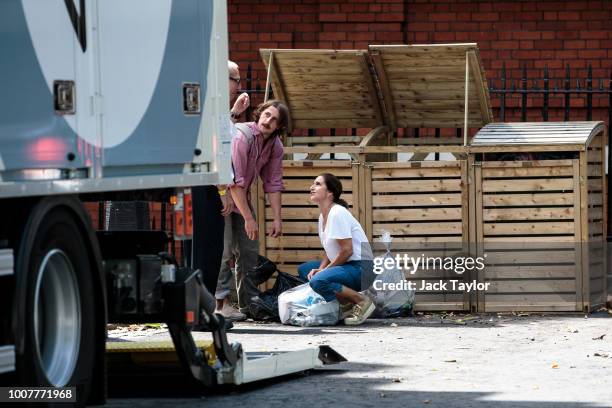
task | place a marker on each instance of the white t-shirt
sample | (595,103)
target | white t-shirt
(341,225)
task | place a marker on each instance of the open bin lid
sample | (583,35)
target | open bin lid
(424,85)
(387,85)
(526,135)
(325,88)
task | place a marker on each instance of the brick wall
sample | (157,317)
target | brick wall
(517,34)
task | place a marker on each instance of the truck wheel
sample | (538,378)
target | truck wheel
(59,320)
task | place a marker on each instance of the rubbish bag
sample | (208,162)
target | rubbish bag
(265,305)
(263,270)
(390,303)
(302,306)
(395,302)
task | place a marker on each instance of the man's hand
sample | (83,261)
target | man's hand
(241,104)
(228,205)
(312,273)
(251,228)
(276,229)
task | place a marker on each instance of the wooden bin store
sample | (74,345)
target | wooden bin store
(537,209)
(512,188)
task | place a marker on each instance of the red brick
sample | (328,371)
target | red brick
(567,35)
(594,35)
(582,25)
(569,15)
(332,36)
(467,6)
(288,18)
(421,26)
(375,8)
(444,8)
(329,8)
(526,35)
(390,17)
(485,17)
(527,54)
(509,45)
(526,45)
(441,36)
(443,27)
(362,17)
(507,6)
(551,15)
(592,54)
(305,8)
(390,36)
(264,9)
(551,25)
(244,37)
(569,54)
(574,44)
(443,17)
(363,36)
(548,35)
(547,5)
(548,63)
(385,27)
(337,17)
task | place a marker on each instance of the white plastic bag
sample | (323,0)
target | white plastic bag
(390,303)
(302,306)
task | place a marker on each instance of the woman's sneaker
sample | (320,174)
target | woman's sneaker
(346,310)
(360,313)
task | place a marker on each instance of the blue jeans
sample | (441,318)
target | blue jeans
(329,282)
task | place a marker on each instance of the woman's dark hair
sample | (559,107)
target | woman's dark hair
(334,185)
(283,115)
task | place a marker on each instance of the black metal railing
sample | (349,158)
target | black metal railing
(542,86)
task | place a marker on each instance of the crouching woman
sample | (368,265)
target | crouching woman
(347,262)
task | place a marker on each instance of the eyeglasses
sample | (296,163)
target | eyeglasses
(235,79)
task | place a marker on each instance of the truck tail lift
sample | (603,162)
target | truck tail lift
(153,288)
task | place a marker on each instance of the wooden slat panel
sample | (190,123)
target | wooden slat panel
(528,172)
(417,214)
(298,256)
(301,213)
(304,199)
(530,271)
(528,199)
(304,185)
(448,228)
(416,200)
(527,185)
(529,257)
(529,228)
(306,241)
(519,214)
(532,285)
(391,186)
(379,174)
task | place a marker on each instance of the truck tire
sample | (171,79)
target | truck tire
(58,329)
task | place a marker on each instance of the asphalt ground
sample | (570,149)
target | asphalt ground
(431,360)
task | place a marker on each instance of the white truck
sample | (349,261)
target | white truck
(104,100)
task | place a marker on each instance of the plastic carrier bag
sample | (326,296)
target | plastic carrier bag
(390,303)
(302,306)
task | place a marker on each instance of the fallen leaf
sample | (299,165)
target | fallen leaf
(397,380)
(604,355)
(555,365)
(450,361)
(600,337)
(426,401)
